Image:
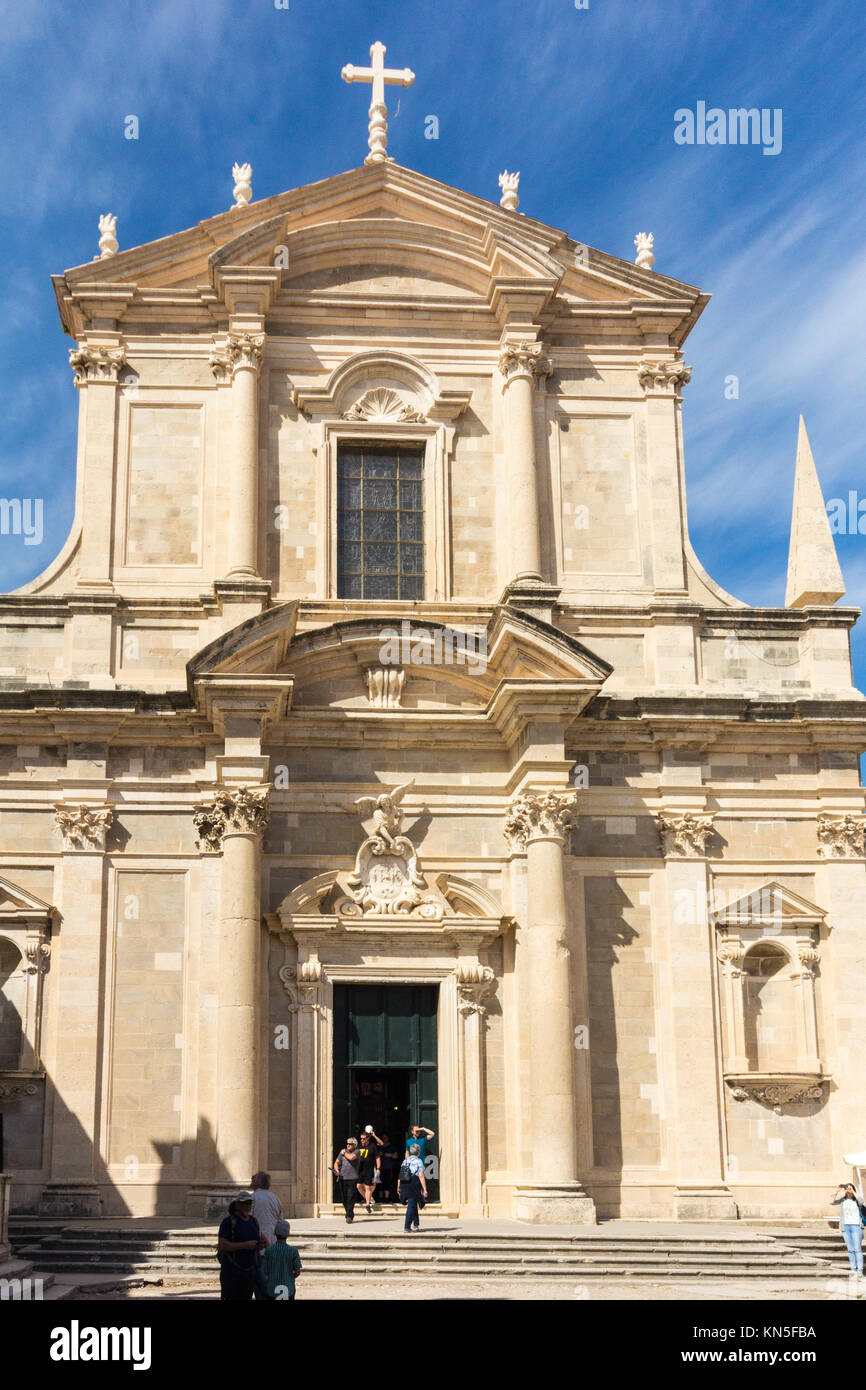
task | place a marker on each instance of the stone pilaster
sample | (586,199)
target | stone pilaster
(538,824)
(662,383)
(701,1192)
(72,1190)
(841,891)
(97,367)
(244,812)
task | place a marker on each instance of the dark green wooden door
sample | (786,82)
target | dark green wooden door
(385,1062)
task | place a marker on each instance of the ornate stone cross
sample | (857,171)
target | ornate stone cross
(378,74)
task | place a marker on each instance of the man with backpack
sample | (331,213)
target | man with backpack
(413,1187)
(238,1245)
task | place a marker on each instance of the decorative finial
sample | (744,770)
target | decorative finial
(107,238)
(243,189)
(378,74)
(509,184)
(644,246)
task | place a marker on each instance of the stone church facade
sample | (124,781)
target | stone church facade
(378,746)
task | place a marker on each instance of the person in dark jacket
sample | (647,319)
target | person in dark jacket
(413,1187)
(239,1243)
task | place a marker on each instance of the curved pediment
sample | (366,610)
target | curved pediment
(410,667)
(462,901)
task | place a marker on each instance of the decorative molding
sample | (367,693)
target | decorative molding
(522,357)
(841,837)
(509,183)
(14,1090)
(476,983)
(83,827)
(385,686)
(96,364)
(243,189)
(809,957)
(301,983)
(663,378)
(777,1091)
(383,406)
(38,953)
(541,816)
(209,822)
(239,351)
(730,954)
(643,244)
(683,834)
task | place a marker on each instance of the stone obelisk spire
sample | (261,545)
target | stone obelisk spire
(814,575)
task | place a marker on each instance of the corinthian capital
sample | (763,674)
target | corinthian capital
(541,816)
(841,837)
(684,834)
(239,350)
(83,827)
(243,810)
(522,357)
(663,378)
(101,364)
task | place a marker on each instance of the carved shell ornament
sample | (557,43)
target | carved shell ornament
(384,405)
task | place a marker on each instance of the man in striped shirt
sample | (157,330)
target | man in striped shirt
(282,1265)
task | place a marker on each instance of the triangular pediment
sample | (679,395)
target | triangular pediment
(374,230)
(18,903)
(772,903)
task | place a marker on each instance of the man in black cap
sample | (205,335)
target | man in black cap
(238,1244)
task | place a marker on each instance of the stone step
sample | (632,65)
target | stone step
(207,1240)
(459,1271)
(423,1251)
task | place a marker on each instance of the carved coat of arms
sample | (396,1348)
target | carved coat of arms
(387,879)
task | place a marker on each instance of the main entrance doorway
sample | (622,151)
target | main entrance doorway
(385,1071)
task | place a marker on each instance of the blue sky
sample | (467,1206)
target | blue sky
(581,101)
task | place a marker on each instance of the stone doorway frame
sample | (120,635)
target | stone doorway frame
(331,951)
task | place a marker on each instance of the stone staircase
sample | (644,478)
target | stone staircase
(21,1281)
(824,1246)
(133,1250)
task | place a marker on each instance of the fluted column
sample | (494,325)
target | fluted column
(244,814)
(539,823)
(521,361)
(242,358)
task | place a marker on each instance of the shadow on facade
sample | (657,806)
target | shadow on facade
(614,1043)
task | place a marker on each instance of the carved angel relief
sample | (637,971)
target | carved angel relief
(387,878)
